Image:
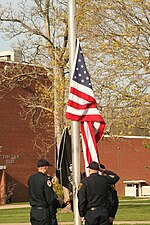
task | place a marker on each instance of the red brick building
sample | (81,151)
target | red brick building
(18,153)
(16,148)
(129,157)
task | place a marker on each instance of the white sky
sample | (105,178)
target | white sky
(4,45)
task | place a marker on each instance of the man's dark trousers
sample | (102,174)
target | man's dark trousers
(40,216)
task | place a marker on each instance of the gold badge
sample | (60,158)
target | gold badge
(49,184)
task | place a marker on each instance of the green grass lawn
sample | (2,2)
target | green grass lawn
(123,200)
(22,215)
(14,215)
(131,211)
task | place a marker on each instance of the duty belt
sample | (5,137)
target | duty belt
(39,207)
(96,208)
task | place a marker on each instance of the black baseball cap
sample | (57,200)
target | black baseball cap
(43,162)
(93,166)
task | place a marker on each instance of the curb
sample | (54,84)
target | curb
(71,223)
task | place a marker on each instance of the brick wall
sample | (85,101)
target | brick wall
(16,147)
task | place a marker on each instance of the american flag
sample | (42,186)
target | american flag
(82,107)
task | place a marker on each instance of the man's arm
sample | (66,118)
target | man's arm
(49,193)
(82,201)
(114,206)
(112,177)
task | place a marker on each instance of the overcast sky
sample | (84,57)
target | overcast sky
(6,45)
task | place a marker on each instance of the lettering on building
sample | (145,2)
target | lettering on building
(10,159)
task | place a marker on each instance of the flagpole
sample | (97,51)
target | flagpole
(74,125)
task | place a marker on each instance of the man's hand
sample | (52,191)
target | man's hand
(67,202)
(111,219)
(83,220)
(54,180)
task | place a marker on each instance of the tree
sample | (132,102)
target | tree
(42,32)
(115,40)
(117,34)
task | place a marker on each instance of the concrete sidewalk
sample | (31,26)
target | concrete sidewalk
(71,223)
(13,206)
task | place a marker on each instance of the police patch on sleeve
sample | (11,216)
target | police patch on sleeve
(49,184)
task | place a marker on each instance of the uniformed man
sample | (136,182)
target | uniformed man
(41,195)
(113,199)
(93,195)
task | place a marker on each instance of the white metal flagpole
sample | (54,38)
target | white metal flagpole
(74,125)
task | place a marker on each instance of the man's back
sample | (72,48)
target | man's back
(36,186)
(41,195)
(97,189)
(93,195)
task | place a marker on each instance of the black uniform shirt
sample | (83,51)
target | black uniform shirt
(93,191)
(40,190)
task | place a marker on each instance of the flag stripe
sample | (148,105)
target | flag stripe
(83,96)
(83,118)
(88,141)
(81,107)
(85,112)
(88,137)
(99,130)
